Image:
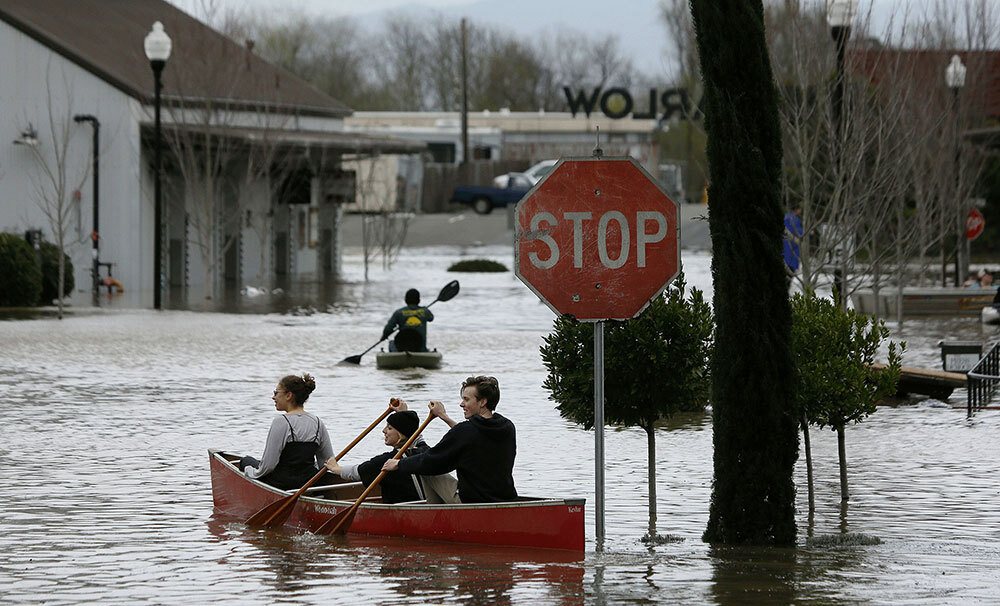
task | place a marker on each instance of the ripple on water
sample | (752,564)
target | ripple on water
(108,418)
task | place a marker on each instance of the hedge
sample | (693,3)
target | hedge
(19,273)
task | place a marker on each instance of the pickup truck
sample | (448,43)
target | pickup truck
(485,199)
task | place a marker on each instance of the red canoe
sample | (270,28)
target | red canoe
(535,523)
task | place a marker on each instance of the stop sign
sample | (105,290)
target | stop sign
(974,224)
(597,238)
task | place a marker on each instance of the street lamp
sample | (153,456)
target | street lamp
(80,118)
(954,77)
(840,15)
(157,46)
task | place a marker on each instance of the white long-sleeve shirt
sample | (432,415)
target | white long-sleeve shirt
(305,427)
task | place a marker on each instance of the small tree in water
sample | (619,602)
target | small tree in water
(655,365)
(835,351)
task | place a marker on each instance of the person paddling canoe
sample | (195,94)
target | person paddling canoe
(481,449)
(297,443)
(412,324)
(397,488)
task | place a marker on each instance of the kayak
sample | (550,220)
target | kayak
(408,359)
(528,522)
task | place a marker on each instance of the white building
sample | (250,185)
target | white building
(252,178)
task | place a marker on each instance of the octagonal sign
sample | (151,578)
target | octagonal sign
(597,238)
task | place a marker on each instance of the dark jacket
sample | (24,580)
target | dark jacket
(396,487)
(482,453)
(410,317)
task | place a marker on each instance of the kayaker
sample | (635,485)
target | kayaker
(412,324)
(480,449)
(297,443)
(397,487)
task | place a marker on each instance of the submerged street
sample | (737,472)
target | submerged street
(109,416)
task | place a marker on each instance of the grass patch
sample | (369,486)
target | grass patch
(850,539)
(478,265)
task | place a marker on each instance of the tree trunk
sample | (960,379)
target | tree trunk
(809,465)
(61,283)
(755,432)
(842,454)
(651,475)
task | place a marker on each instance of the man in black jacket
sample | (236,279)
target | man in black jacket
(481,449)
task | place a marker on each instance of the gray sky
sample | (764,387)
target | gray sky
(636,22)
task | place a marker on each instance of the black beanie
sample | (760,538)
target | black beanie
(404,421)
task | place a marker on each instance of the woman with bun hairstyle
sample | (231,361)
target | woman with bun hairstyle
(396,488)
(297,443)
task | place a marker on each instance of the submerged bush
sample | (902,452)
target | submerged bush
(478,265)
(850,539)
(50,274)
(19,273)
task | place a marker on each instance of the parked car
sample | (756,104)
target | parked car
(485,199)
(534,174)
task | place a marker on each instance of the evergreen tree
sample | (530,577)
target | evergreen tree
(655,365)
(753,396)
(835,351)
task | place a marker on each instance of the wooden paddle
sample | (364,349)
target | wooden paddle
(277,512)
(342,521)
(447,293)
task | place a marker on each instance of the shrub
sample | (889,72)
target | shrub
(50,274)
(478,265)
(19,273)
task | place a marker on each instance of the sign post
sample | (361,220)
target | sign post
(597,239)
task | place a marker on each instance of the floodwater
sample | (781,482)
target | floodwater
(107,417)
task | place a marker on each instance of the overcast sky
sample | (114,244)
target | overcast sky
(636,22)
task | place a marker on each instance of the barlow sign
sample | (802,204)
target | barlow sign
(616,103)
(597,239)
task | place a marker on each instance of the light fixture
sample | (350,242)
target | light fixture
(157,44)
(30,138)
(954,74)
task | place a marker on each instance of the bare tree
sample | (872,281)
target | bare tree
(54,181)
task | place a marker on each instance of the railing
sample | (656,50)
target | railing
(983,379)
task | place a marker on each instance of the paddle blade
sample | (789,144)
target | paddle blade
(339,523)
(351,360)
(449,291)
(266,518)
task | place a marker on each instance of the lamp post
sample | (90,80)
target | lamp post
(94,235)
(839,15)
(954,77)
(157,46)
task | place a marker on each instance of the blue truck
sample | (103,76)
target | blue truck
(485,199)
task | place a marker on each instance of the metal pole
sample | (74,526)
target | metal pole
(599,434)
(465,101)
(961,260)
(840,35)
(94,236)
(157,200)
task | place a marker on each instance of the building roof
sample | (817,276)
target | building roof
(340,142)
(105,37)
(982,82)
(506,121)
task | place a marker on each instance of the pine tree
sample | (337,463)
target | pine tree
(753,394)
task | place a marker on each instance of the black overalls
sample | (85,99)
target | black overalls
(296,464)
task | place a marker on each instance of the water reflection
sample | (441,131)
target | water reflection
(405,571)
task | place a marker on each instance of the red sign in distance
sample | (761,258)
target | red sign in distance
(974,224)
(597,238)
